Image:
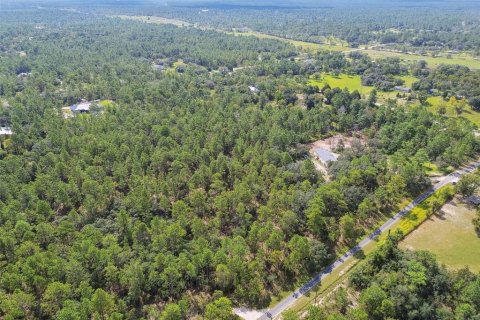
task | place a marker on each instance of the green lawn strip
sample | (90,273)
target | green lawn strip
(434,171)
(406,225)
(278,297)
(421,212)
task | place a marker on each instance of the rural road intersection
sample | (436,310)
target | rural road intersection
(287,302)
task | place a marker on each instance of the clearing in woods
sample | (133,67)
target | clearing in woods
(354,82)
(450,235)
(341,81)
(467,112)
(462,59)
(156,20)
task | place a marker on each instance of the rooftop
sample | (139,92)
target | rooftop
(7,131)
(253,89)
(81,107)
(325,155)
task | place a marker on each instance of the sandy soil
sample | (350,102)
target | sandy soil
(331,144)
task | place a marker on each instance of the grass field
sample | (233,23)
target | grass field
(409,80)
(450,235)
(296,43)
(341,81)
(156,20)
(460,59)
(469,114)
(355,83)
(331,44)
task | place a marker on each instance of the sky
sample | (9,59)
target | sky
(279,3)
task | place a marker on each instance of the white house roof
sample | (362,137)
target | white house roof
(7,131)
(325,155)
(84,106)
(253,89)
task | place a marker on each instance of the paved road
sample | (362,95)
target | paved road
(291,299)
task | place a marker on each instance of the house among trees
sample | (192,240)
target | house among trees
(6,131)
(403,89)
(83,107)
(159,67)
(24,74)
(253,89)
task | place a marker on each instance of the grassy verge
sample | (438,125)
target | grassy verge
(423,211)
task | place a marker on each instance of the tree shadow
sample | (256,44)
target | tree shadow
(440,215)
(360,254)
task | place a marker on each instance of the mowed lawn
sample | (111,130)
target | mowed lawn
(449,235)
(468,113)
(354,82)
(341,81)
(409,80)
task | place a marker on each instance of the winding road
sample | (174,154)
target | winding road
(292,298)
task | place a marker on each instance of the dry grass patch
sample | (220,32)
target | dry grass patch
(450,235)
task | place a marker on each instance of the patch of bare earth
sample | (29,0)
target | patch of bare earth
(333,144)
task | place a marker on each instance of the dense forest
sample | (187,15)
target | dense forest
(411,28)
(188,191)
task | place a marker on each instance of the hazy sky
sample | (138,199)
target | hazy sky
(319,3)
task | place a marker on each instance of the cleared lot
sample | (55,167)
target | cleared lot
(450,235)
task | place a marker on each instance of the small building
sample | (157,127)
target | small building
(403,89)
(159,67)
(325,156)
(83,107)
(6,131)
(253,89)
(224,70)
(24,74)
